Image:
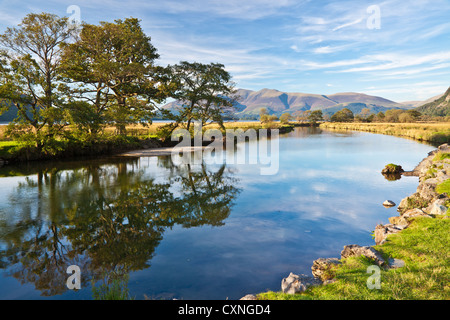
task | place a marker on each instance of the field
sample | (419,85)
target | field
(430,132)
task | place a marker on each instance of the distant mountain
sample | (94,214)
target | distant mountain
(416,104)
(277,102)
(11,114)
(439,107)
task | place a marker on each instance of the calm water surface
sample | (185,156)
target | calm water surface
(200,231)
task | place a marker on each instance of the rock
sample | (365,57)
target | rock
(249,297)
(414,213)
(298,283)
(392,176)
(413,201)
(441,176)
(395,263)
(444,147)
(399,221)
(329,281)
(323,268)
(382,231)
(392,168)
(427,189)
(403,204)
(389,203)
(355,250)
(438,209)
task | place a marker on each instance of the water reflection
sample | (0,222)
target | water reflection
(392,176)
(107,218)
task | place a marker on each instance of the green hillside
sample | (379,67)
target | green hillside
(439,107)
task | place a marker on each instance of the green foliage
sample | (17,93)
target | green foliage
(344,115)
(267,118)
(286,117)
(105,76)
(8,148)
(439,107)
(440,156)
(315,116)
(115,288)
(415,202)
(112,65)
(205,92)
(444,187)
(30,74)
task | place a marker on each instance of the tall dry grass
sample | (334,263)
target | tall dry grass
(431,132)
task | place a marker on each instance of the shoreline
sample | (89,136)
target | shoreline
(436,133)
(127,146)
(432,205)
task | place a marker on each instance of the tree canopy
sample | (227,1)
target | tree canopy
(30,74)
(112,65)
(205,92)
(344,115)
(57,74)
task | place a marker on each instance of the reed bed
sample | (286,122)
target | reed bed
(430,132)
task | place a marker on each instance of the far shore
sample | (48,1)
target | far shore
(140,139)
(433,132)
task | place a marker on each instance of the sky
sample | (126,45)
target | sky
(396,49)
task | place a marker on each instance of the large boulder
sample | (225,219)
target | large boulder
(298,283)
(355,250)
(437,209)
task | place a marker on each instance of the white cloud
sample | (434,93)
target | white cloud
(348,24)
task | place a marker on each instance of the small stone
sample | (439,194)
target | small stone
(249,297)
(389,203)
(396,263)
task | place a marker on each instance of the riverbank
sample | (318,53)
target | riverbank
(410,258)
(138,138)
(436,133)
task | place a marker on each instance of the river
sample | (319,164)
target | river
(199,231)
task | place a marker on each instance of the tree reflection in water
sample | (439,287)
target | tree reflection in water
(106,218)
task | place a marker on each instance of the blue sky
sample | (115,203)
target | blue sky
(396,49)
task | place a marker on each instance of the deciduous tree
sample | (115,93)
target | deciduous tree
(205,92)
(112,68)
(30,75)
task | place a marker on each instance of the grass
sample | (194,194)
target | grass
(444,187)
(430,132)
(441,156)
(7,148)
(424,248)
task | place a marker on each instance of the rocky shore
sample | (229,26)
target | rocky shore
(425,202)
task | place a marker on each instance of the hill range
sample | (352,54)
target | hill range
(276,102)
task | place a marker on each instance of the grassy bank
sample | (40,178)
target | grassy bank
(108,143)
(436,133)
(424,248)
(422,245)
